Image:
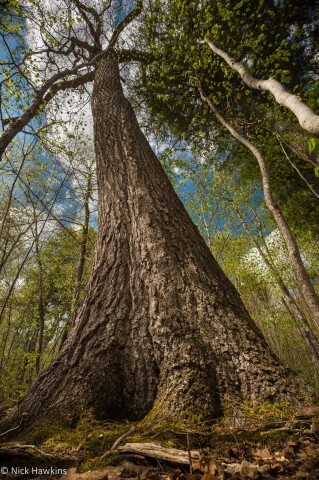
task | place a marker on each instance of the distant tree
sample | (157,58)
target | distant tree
(37,314)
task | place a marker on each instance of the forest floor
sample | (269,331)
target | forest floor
(253,446)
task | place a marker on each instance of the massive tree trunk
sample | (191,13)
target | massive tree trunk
(162,329)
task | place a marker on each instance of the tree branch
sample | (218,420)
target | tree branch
(41,100)
(126,55)
(130,17)
(82,44)
(95,32)
(57,83)
(306,117)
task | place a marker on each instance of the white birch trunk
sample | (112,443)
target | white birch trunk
(306,117)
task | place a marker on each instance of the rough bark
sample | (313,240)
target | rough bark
(162,329)
(306,117)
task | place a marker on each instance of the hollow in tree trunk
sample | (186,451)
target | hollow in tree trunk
(162,331)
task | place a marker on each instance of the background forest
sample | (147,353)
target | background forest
(48,181)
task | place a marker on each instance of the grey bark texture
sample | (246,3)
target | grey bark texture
(162,329)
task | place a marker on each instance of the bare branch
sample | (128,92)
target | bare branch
(126,21)
(95,31)
(43,99)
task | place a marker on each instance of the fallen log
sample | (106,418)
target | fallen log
(24,449)
(159,452)
(12,453)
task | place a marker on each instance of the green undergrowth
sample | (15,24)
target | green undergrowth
(220,442)
(253,423)
(89,439)
(247,414)
(89,435)
(156,421)
(84,443)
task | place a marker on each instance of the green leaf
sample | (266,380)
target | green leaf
(239,5)
(313,145)
(317,172)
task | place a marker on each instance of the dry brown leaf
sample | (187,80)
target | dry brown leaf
(291,443)
(263,453)
(153,476)
(248,469)
(315,425)
(209,476)
(281,458)
(90,475)
(183,476)
(307,412)
(195,476)
(212,466)
(232,468)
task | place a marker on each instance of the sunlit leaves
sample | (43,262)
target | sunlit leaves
(313,145)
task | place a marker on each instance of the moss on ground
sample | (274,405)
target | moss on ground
(95,463)
(84,443)
(88,436)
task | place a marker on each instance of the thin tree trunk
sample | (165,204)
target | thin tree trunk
(10,196)
(85,232)
(5,339)
(162,331)
(287,297)
(83,251)
(302,278)
(310,187)
(304,329)
(41,308)
(81,262)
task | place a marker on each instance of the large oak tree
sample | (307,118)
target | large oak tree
(162,331)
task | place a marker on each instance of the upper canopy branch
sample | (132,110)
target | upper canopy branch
(81,44)
(43,96)
(62,81)
(307,118)
(95,30)
(126,21)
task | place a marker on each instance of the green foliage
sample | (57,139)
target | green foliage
(313,145)
(266,37)
(20,328)
(314,149)
(254,33)
(93,437)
